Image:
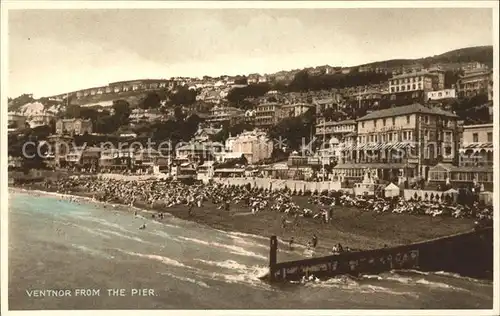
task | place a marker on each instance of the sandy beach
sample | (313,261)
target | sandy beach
(352,227)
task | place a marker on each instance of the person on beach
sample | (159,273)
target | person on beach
(314,241)
(283,222)
(143,226)
(190,209)
(290,243)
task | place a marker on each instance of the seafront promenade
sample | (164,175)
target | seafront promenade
(277,184)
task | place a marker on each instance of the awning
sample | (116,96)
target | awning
(477,147)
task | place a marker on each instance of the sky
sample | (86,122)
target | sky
(57,51)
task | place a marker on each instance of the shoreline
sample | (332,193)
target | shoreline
(267,223)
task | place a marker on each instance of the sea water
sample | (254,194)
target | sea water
(97,249)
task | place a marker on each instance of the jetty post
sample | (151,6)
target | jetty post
(273,249)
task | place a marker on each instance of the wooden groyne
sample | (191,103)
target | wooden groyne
(469,254)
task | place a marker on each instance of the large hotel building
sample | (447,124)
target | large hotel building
(400,143)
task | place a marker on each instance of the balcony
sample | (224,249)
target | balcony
(475,162)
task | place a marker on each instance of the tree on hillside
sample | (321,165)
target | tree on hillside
(472,110)
(223,134)
(21,100)
(183,96)
(239,128)
(121,110)
(332,115)
(241,80)
(151,101)
(89,113)
(73,111)
(237,95)
(107,124)
(300,82)
(179,114)
(451,78)
(295,131)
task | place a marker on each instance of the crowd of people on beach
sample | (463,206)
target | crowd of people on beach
(167,194)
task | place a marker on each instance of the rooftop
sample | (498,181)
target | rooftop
(404,110)
(413,74)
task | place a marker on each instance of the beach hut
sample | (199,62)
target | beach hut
(391,190)
(486,198)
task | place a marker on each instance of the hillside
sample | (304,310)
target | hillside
(482,54)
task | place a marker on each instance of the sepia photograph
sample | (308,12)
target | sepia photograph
(213,156)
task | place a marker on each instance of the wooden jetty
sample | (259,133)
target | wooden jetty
(468,254)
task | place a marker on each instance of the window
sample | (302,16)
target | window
(402,88)
(408,87)
(393,89)
(426,134)
(475,138)
(383,121)
(411,79)
(407,119)
(490,137)
(414,86)
(393,121)
(426,119)
(447,150)
(375,123)
(362,124)
(390,137)
(397,88)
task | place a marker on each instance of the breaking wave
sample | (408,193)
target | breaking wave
(162,259)
(348,283)
(91,231)
(186,279)
(439,285)
(233,249)
(458,276)
(110,232)
(93,251)
(228,264)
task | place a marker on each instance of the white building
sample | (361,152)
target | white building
(16,121)
(441,94)
(254,145)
